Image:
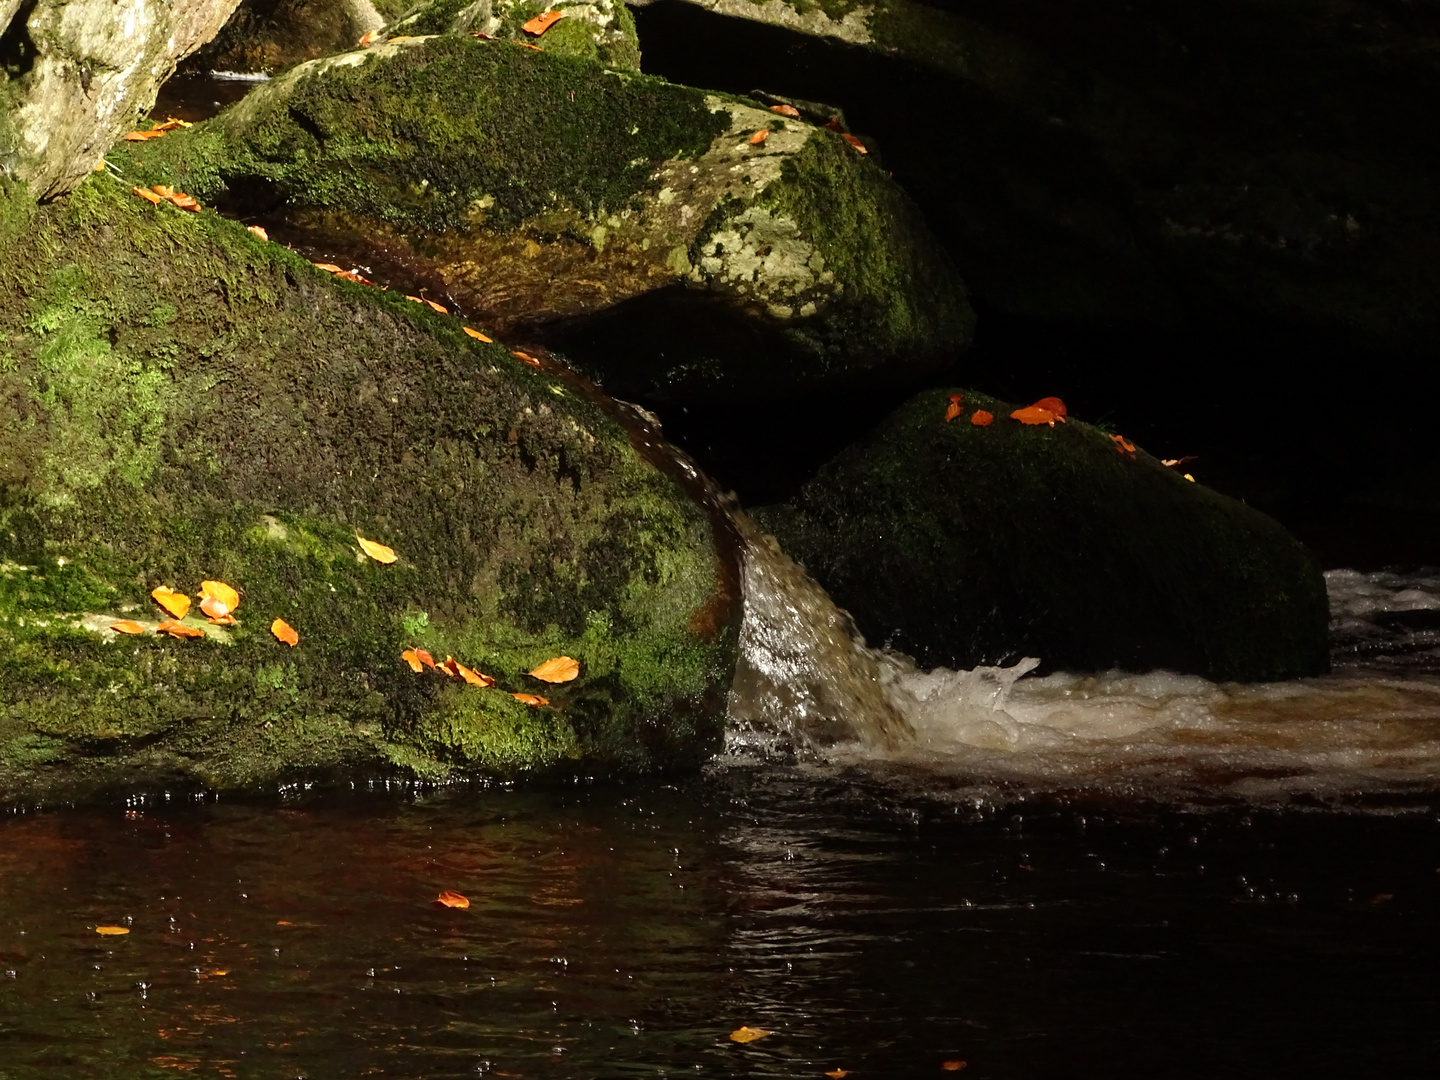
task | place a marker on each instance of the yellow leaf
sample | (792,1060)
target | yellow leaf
(175,603)
(476,334)
(112,931)
(747,1034)
(379,552)
(558,670)
(125,626)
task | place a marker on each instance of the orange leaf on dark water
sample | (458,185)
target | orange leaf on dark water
(746,1033)
(379,552)
(175,603)
(452,899)
(178,629)
(838,1073)
(531,699)
(538,25)
(853,141)
(285,632)
(982,418)
(148,196)
(112,931)
(759,136)
(952,1066)
(257,231)
(477,335)
(557,670)
(786,110)
(410,657)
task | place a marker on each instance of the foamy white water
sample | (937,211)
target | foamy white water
(808,688)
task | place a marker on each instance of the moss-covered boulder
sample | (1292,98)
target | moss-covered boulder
(965,544)
(181,401)
(600,30)
(544,189)
(268,35)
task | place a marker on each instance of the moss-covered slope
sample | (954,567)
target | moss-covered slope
(181,401)
(544,189)
(964,544)
(601,30)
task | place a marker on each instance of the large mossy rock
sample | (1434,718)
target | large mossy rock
(181,401)
(75,73)
(962,544)
(544,189)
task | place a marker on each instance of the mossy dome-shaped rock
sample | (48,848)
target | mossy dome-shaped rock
(182,401)
(600,30)
(964,544)
(733,249)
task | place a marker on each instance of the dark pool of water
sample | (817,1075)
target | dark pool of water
(626,930)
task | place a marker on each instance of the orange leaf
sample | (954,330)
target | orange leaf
(368,38)
(415,298)
(557,670)
(1124,445)
(1052,404)
(527,45)
(178,629)
(838,1073)
(441,308)
(214,609)
(531,699)
(163,190)
(426,659)
(142,136)
(747,1034)
(184,202)
(953,411)
(148,196)
(125,626)
(175,603)
(982,418)
(258,231)
(452,899)
(450,667)
(329,268)
(538,25)
(759,136)
(474,678)
(410,657)
(483,37)
(525,358)
(952,1066)
(285,632)
(477,335)
(1033,414)
(853,141)
(379,552)
(350,275)
(786,110)
(112,931)
(222,592)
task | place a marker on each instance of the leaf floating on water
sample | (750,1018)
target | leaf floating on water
(982,418)
(477,335)
(411,658)
(557,670)
(853,141)
(258,231)
(148,196)
(286,633)
(759,136)
(747,1034)
(952,1066)
(112,931)
(175,603)
(379,552)
(838,1073)
(538,25)
(125,626)
(786,110)
(452,899)
(221,592)
(177,629)
(531,699)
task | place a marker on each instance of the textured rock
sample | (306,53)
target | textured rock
(267,35)
(549,189)
(74,74)
(964,545)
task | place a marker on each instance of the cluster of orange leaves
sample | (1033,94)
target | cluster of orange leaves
(559,669)
(158,193)
(217,600)
(793,113)
(156,130)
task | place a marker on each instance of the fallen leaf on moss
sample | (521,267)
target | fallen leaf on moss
(525,358)
(452,899)
(557,670)
(527,45)
(1052,404)
(163,190)
(1179,462)
(474,678)
(981,418)
(175,603)
(258,231)
(285,632)
(426,659)
(1190,478)
(477,335)
(483,37)
(177,629)
(531,699)
(540,23)
(1034,415)
(148,196)
(368,38)
(126,626)
(786,110)
(450,667)
(833,124)
(441,308)
(952,1066)
(853,141)
(184,202)
(171,123)
(112,931)
(142,136)
(350,275)
(218,590)
(1124,445)
(379,552)
(329,268)
(759,136)
(747,1034)
(411,658)
(956,403)
(415,298)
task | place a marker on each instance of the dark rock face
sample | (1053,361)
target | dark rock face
(182,401)
(269,35)
(962,545)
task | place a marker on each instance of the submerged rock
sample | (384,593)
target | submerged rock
(75,73)
(182,401)
(544,189)
(963,545)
